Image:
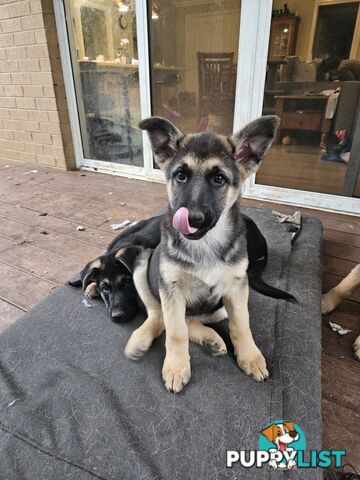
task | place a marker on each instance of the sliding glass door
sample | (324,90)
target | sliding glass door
(313,85)
(104,55)
(193,53)
(184,51)
(218,64)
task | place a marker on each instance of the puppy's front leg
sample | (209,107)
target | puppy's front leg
(248,355)
(176,369)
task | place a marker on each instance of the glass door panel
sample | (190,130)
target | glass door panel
(315,89)
(193,57)
(103,44)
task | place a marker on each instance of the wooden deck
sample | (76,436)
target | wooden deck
(41,248)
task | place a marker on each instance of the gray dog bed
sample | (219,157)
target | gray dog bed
(73,407)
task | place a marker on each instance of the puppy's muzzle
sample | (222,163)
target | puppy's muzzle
(200,218)
(118,316)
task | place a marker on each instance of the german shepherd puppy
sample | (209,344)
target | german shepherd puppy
(202,259)
(110,275)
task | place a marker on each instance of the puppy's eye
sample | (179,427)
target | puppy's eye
(128,282)
(219,179)
(105,287)
(181,176)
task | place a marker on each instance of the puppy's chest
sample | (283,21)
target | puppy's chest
(220,276)
(204,269)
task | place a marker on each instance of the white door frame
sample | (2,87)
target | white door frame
(253,47)
(255,22)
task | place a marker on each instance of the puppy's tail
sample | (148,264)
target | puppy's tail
(257,283)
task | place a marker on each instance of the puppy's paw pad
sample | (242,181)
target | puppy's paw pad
(254,366)
(356,348)
(215,347)
(176,378)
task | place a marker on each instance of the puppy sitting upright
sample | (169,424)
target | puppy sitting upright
(202,259)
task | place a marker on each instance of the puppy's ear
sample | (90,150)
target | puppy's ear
(289,426)
(164,137)
(270,433)
(252,143)
(90,273)
(127,256)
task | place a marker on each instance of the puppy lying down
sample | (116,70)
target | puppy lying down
(110,275)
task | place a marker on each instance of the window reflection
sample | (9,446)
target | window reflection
(105,62)
(194,49)
(313,84)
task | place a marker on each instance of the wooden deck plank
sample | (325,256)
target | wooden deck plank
(5,244)
(337,266)
(48,266)
(91,235)
(51,242)
(33,262)
(21,288)
(348,380)
(8,314)
(335,237)
(345,252)
(341,432)
(340,346)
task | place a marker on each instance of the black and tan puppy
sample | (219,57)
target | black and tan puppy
(110,275)
(202,260)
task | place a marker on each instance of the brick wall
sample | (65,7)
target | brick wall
(34,122)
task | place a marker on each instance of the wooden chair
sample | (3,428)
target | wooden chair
(216,83)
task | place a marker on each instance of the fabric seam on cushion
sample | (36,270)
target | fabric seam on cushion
(280,314)
(36,446)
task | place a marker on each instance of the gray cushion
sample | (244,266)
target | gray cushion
(72,406)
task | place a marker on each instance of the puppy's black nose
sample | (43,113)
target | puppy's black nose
(118,316)
(293,434)
(196,218)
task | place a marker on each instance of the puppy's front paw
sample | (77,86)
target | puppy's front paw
(91,290)
(215,347)
(176,373)
(253,364)
(139,342)
(356,348)
(329,302)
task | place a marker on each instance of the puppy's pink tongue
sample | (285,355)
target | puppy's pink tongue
(181,221)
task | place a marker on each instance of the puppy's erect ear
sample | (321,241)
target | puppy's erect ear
(252,143)
(127,256)
(270,433)
(90,273)
(164,137)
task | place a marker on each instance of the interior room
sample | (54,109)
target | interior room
(193,57)
(313,84)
